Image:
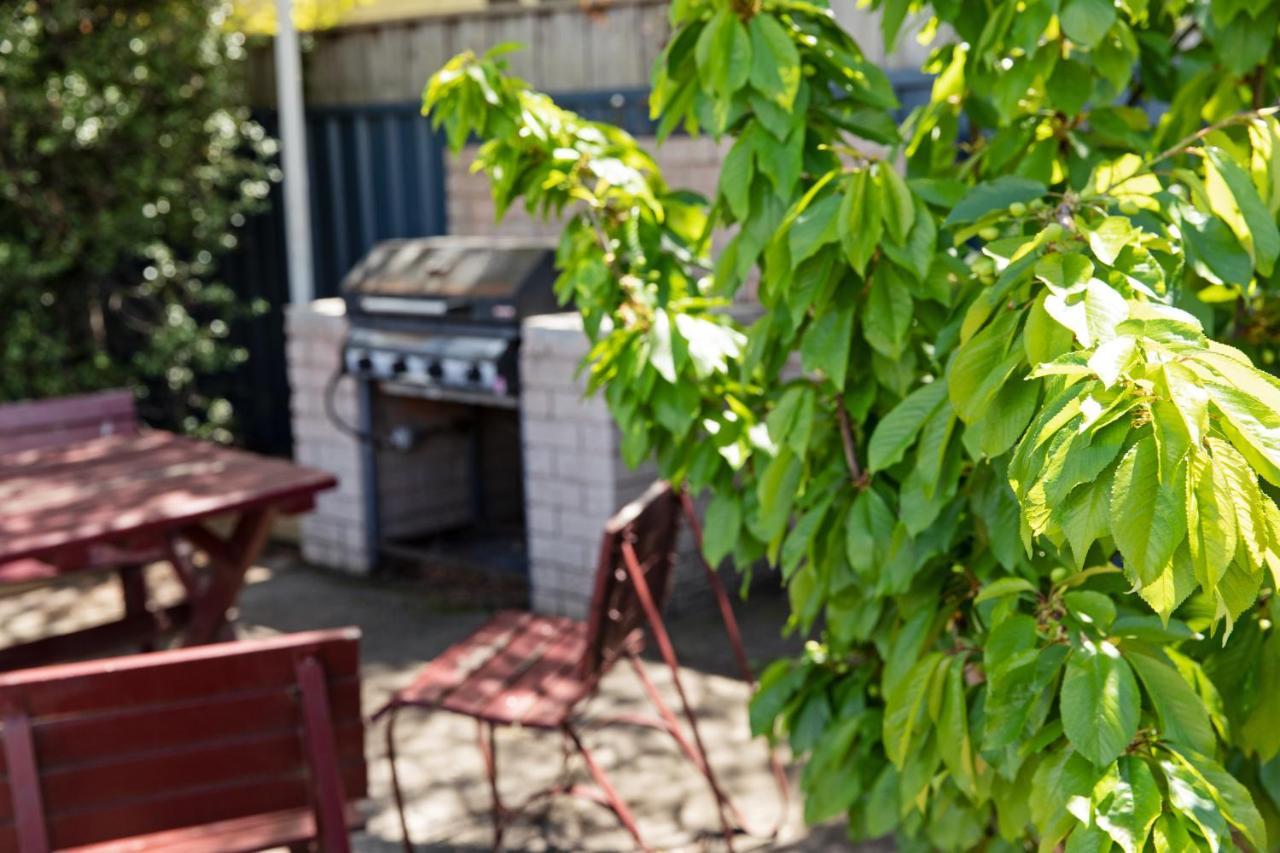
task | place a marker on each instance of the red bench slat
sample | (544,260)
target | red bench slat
(113,733)
(259,832)
(178,676)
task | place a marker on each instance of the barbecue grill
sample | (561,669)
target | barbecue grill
(441,315)
(437,320)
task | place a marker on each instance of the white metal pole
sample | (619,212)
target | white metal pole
(293,156)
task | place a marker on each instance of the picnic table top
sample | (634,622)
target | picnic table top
(66,498)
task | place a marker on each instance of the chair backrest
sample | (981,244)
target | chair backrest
(125,747)
(649,524)
(35,424)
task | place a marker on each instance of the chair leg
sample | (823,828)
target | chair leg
(693,751)
(667,650)
(487,739)
(396,792)
(612,799)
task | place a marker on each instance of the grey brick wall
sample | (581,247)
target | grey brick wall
(574,474)
(687,162)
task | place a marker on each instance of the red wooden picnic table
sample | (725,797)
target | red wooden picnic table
(65,508)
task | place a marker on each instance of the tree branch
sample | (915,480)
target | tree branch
(857,476)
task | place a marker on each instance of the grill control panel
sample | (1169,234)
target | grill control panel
(470,365)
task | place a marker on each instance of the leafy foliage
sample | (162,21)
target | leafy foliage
(125,164)
(996,426)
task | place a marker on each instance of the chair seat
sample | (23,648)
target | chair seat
(516,669)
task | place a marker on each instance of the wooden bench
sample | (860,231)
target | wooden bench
(36,424)
(230,747)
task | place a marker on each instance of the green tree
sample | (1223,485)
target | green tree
(126,161)
(991,427)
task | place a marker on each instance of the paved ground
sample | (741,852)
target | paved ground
(441,768)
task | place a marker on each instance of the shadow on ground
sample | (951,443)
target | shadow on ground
(440,767)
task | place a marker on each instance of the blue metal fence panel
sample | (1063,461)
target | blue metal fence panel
(377,172)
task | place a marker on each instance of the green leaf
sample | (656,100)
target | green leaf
(1088,839)
(993,195)
(1214,251)
(1172,586)
(1092,314)
(775,62)
(723,53)
(776,491)
(953,729)
(898,429)
(1018,676)
(1085,22)
(917,253)
(1130,804)
(1092,608)
(1183,717)
(1110,237)
(1099,702)
(1254,427)
(899,204)
(1170,835)
(815,227)
(661,355)
(1211,521)
(888,313)
(791,421)
(736,174)
(1190,796)
(981,366)
(826,344)
(1234,198)
(1061,789)
(867,528)
(722,527)
(904,714)
(1004,586)
(861,219)
(1148,518)
(1232,797)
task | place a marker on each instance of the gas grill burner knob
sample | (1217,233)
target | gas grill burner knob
(435,370)
(399,366)
(473,373)
(364,364)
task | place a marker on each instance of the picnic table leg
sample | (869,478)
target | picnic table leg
(230,563)
(133,588)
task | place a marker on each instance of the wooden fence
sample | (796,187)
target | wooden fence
(569,48)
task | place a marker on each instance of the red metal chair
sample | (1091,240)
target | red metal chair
(536,671)
(229,747)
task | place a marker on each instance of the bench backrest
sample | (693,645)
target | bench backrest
(124,747)
(649,524)
(35,424)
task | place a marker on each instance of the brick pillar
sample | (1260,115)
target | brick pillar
(333,534)
(574,474)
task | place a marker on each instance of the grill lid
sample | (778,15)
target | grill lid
(480,278)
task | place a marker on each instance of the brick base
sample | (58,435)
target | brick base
(574,474)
